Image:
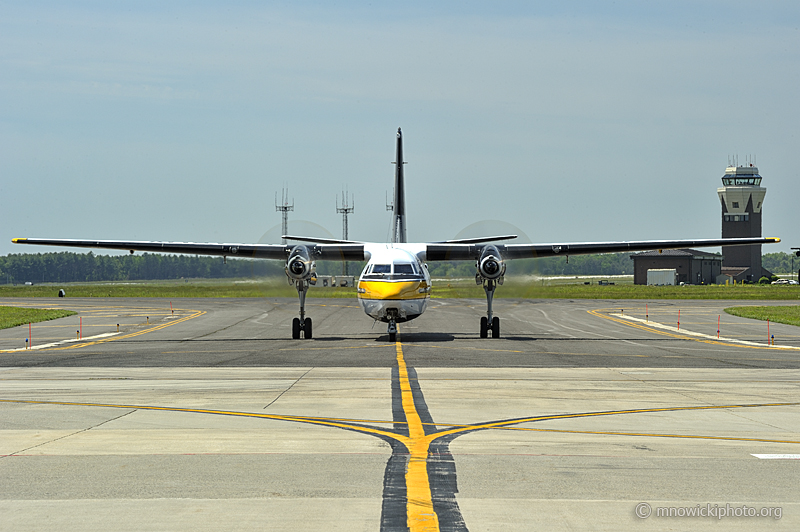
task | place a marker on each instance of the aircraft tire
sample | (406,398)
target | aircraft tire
(495,327)
(484,327)
(392,337)
(307,329)
(296,329)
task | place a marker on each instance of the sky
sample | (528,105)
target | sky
(571,121)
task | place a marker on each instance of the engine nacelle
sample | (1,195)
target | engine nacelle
(299,266)
(491,265)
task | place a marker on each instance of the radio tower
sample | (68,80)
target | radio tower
(283,207)
(346,208)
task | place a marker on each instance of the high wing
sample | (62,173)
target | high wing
(459,251)
(336,251)
(318,240)
(329,249)
(479,240)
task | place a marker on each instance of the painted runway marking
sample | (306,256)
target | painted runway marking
(701,335)
(55,344)
(777,456)
(105,338)
(666,330)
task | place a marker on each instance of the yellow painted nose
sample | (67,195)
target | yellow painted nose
(389,290)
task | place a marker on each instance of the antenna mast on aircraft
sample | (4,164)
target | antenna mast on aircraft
(284,209)
(344,210)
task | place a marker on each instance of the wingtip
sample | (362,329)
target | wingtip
(773,239)
(18,240)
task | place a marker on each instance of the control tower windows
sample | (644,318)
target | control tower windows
(750,181)
(737,217)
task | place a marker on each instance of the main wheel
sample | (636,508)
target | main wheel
(296,328)
(484,327)
(392,337)
(307,328)
(495,327)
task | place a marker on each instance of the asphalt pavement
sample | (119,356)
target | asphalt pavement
(204,414)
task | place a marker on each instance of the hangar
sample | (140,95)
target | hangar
(693,266)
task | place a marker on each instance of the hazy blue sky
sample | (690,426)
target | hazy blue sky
(574,121)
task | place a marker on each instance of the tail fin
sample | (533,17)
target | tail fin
(399,215)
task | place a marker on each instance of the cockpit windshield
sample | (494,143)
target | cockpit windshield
(404,268)
(388,272)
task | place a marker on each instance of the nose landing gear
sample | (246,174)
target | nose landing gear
(392,329)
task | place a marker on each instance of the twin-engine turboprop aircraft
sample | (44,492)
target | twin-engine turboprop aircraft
(395,285)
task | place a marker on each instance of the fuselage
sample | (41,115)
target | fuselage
(394,283)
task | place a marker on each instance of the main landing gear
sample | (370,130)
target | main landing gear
(302,323)
(489,322)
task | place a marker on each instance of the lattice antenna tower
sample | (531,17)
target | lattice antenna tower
(347,207)
(284,207)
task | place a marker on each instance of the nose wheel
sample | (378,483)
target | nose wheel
(303,327)
(391,314)
(486,327)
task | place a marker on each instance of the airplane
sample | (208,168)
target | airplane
(395,285)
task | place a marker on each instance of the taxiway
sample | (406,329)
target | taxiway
(208,417)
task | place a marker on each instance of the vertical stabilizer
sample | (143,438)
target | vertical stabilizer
(399,214)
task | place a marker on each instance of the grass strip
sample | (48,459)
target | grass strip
(15,316)
(269,288)
(789,315)
(456,289)
(518,289)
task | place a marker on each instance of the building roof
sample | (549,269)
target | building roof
(734,270)
(693,253)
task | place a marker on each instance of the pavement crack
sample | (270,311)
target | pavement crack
(287,389)
(248,318)
(654,384)
(740,416)
(68,435)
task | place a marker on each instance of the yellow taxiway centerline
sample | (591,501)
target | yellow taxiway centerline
(419,505)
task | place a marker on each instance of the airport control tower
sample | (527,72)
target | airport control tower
(742,197)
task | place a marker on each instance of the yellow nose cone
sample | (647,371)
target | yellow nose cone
(391,290)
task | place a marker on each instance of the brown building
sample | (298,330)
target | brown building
(693,266)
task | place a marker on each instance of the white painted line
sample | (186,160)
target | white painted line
(54,344)
(657,325)
(777,456)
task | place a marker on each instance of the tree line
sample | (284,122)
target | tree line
(606,264)
(780,262)
(609,264)
(69,267)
